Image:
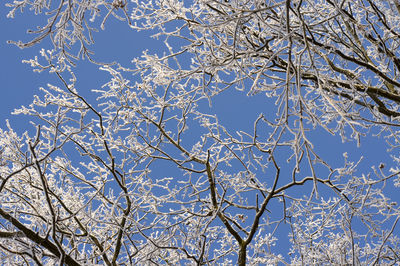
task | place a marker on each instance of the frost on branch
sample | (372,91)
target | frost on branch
(69,24)
(151,170)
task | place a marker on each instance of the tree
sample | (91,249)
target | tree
(82,189)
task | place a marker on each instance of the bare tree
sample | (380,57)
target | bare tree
(147,173)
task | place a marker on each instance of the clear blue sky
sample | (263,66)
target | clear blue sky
(118,42)
(19,83)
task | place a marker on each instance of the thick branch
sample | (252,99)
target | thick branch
(33,236)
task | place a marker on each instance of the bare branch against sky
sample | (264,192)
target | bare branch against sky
(228,139)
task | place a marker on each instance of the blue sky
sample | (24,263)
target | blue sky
(116,43)
(19,83)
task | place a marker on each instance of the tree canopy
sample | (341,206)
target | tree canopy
(147,172)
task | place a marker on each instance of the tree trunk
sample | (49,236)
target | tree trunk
(242,255)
